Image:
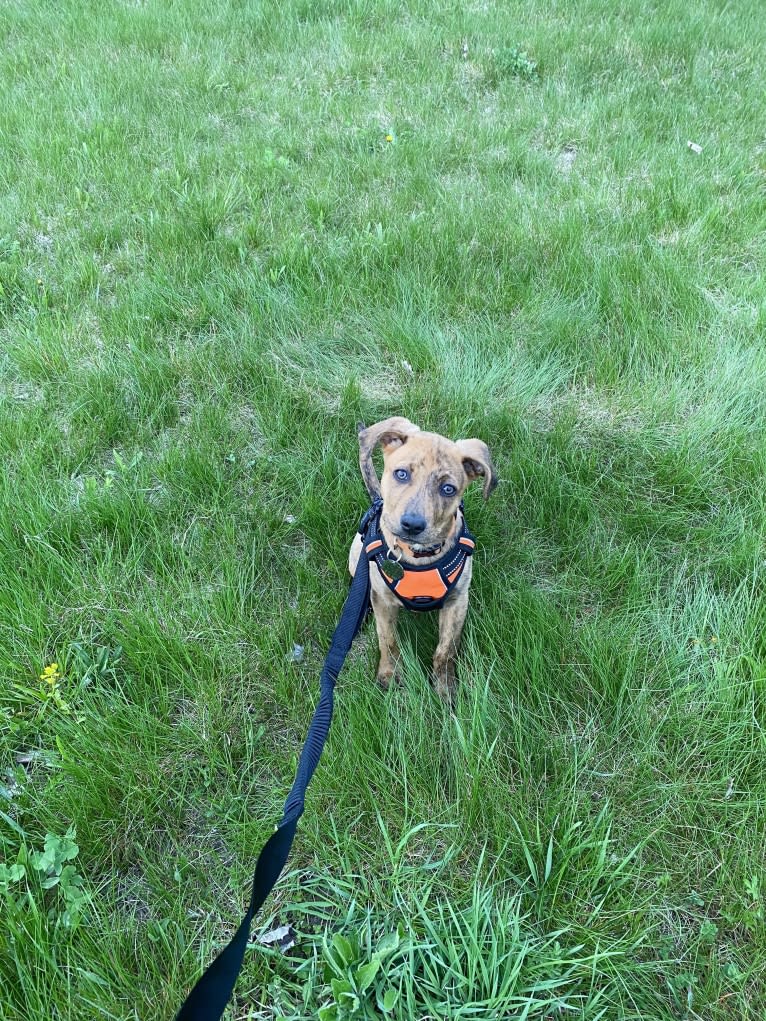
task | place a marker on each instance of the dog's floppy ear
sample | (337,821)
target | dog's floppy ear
(476,462)
(389,434)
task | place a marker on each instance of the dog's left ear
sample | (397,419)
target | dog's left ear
(477,462)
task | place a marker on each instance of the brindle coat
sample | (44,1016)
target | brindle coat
(424,477)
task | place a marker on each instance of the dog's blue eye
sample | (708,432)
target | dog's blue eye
(401,475)
(448,489)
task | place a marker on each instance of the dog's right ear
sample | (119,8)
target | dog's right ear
(477,462)
(389,434)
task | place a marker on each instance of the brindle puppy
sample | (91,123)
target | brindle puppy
(424,476)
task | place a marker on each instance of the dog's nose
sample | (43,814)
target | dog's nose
(413,524)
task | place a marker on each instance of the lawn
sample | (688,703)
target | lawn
(228,233)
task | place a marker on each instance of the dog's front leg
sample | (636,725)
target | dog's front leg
(451,621)
(386,610)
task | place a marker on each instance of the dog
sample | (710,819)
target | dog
(421,528)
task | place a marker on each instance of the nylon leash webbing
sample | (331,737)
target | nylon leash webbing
(208,998)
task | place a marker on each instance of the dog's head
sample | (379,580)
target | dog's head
(424,478)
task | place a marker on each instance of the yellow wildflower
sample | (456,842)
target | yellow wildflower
(50,674)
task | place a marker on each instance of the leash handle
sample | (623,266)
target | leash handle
(212,991)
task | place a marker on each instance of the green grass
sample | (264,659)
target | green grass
(213,263)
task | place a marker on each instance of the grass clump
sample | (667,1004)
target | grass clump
(511,62)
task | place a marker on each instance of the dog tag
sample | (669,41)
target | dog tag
(392,569)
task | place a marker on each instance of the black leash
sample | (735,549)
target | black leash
(208,998)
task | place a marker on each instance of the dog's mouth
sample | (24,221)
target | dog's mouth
(417,549)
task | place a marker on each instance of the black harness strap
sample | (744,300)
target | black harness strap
(208,998)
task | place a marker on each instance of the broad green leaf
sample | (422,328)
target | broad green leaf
(343,947)
(365,975)
(389,999)
(388,944)
(341,987)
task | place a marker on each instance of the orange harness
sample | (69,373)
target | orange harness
(419,588)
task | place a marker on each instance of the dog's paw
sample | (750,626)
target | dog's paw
(388,676)
(384,678)
(446,692)
(444,680)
